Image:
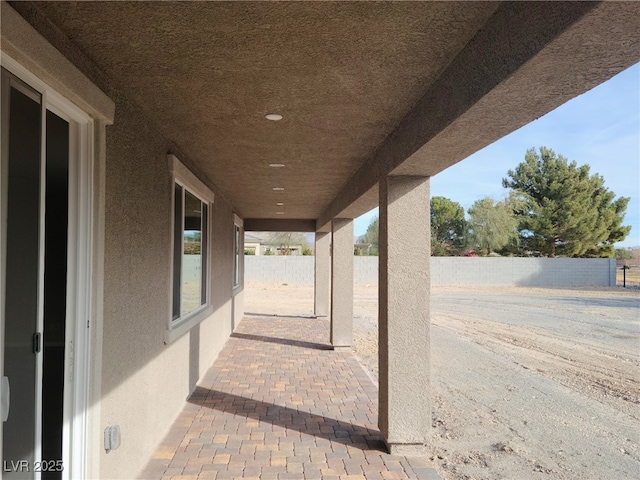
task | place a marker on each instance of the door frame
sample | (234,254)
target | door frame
(79,271)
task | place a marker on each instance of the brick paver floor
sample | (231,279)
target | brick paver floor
(279,403)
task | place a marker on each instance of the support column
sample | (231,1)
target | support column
(403,317)
(322,283)
(342,283)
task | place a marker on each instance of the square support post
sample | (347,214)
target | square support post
(342,283)
(322,284)
(403,318)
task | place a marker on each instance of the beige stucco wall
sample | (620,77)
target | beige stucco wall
(137,382)
(145,382)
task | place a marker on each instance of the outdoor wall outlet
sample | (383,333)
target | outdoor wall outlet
(111,437)
(5,399)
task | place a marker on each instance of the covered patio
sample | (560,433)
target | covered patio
(193,122)
(280,403)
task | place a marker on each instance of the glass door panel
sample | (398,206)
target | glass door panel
(22,120)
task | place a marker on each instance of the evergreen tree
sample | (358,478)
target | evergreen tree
(371,236)
(492,225)
(623,254)
(567,211)
(447,227)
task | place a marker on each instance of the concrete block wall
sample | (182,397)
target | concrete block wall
(276,270)
(529,272)
(365,270)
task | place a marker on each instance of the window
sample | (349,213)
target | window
(190,299)
(190,252)
(237,243)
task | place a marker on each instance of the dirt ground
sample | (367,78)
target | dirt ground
(631,277)
(526,383)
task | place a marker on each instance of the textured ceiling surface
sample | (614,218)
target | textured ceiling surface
(342,75)
(366,89)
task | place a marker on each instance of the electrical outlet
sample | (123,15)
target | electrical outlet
(5,397)
(111,437)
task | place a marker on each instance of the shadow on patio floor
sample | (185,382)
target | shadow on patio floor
(282,341)
(305,423)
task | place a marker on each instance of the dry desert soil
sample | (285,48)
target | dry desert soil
(526,383)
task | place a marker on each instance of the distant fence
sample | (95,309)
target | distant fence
(505,271)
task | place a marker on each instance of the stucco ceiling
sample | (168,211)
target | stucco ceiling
(344,75)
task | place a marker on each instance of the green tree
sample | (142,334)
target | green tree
(371,236)
(567,211)
(286,240)
(492,225)
(623,254)
(447,227)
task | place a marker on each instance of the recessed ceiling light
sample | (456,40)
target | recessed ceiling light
(276,165)
(279,204)
(279,213)
(273,117)
(278,189)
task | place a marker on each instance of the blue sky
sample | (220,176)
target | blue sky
(600,127)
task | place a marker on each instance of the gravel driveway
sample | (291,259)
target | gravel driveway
(526,383)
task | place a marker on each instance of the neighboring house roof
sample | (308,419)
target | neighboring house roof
(252,238)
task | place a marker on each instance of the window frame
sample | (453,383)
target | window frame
(238,253)
(82,326)
(183,177)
